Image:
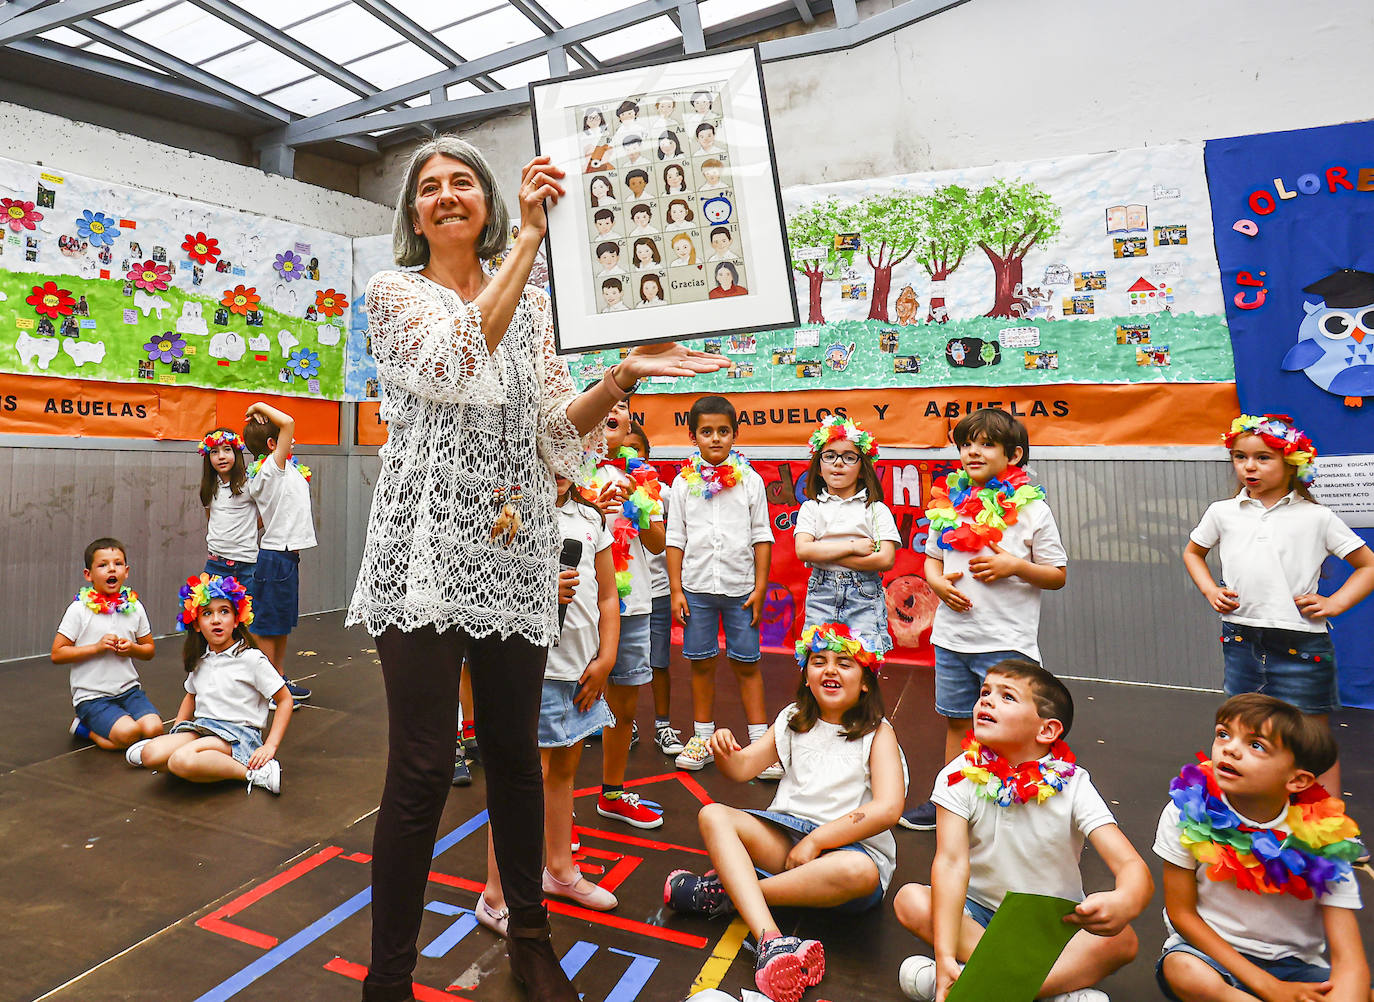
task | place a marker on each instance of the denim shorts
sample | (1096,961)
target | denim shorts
(798,828)
(632,656)
(959,679)
(240,570)
(103,712)
(705,616)
(242,739)
(854,598)
(661,633)
(1284,968)
(277,593)
(979,912)
(561,723)
(1293,665)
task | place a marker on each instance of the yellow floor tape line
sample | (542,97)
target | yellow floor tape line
(727,949)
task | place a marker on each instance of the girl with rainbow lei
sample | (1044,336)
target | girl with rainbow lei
(998,781)
(231,531)
(846,533)
(217,734)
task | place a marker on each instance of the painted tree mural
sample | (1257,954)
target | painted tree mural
(888,225)
(815,226)
(1011,217)
(944,222)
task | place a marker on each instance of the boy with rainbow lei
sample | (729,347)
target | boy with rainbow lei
(642,503)
(1264,907)
(1013,812)
(301,468)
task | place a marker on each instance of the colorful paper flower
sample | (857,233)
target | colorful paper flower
(217,438)
(165,347)
(200,248)
(150,275)
(97,228)
(330,303)
(199,592)
(289,266)
(18,214)
(50,301)
(241,300)
(304,363)
(836,428)
(835,637)
(1279,432)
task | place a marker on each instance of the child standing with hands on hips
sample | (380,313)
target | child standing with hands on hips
(825,840)
(231,514)
(1274,537)
(846,533)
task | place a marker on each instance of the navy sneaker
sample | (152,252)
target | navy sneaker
(298,692)
(684,891)
(920,818)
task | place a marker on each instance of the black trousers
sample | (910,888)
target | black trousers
(420,670)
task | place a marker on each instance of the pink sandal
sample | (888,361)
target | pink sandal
(496,921)
(595,898)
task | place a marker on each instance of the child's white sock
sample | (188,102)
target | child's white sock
(757,731)
(703,731)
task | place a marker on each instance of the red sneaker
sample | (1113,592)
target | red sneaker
(627,808)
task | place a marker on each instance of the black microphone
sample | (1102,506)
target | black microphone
(568,559)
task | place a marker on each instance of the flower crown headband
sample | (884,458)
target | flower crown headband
(199,592)
(217,438)
(1278,432)
(835,637)
(835,427)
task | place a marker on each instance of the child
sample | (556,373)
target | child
(1254,906)
(1013,811)
(218,731)
(281,488)
(719,545)
(1002,559)
(231,514)
(103,629)
(630,495)
(846,533)
(842,789)
(1274,537)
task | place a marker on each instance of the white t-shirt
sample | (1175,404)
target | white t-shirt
(1005,614)
(717,535)
(581,636)
(640,600)
(1268,926)
(1270,555)
(658,565)
(1033,848)
(283,498)
(234,685)
(826,776)
(106,674)
(232,532)
(834,518)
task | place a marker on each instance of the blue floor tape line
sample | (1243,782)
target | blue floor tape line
(288,948)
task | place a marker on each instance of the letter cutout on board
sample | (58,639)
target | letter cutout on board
(82,352)
(227,345)
(39,350)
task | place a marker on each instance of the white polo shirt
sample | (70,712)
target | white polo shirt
(835,518)
(283,498)
(581,636)
(234,685)
(1270,555)
(640,600)
(232,531)
(717,535)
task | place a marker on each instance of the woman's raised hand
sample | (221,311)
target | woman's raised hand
(672,359)
(538,181)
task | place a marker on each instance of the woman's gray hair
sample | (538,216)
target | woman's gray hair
(410,248)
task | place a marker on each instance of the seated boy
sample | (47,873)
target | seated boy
(101,633)
(991,839)
(1278,921)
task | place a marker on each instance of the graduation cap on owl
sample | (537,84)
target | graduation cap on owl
(1345,288)
(1336,339)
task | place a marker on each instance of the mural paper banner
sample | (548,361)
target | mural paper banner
(370,255)
(104,281)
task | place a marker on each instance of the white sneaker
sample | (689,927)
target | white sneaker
(1080,995)
(916,978)
(695,755)
(773,772)
(134,753)
(268,777)
(668,739)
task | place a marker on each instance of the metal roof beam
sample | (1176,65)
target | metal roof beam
(804,11)
(866,30)
(689,23)
(419,36)
(25,22)
(548,24)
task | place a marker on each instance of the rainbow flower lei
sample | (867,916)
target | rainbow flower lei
(968,517)
(256,465)
(198,592)
(217,438)
(835,637)
(1278,432)
(705,481)
(100,602)
(643,503)
(1004,784)
(1317,853)
(836,428)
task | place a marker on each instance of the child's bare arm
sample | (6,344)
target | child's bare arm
(678,599)
(66,652)
(880,813)
(260,411)
(281,717)
(1356,588)
(1180,902)
(763,556)
(883,559)
(142,648)
(592,684)
(942,585)
(948,889)
(1349,967)
(1223,600)
(994,563)
(742,763)
(1106,913)
(655,537)
(187,709)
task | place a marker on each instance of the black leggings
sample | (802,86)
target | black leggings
(420,669)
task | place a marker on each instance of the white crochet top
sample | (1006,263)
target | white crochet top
(463,422)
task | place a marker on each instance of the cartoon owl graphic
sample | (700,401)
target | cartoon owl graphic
(1336,339)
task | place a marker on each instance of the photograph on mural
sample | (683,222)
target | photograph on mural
(104,281)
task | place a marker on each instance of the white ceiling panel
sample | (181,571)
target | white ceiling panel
(256,67)
(345,34)
(644,35)
(312,96)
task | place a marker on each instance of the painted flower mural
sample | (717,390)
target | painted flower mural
(200,248)
(290,266)
(330,303)
(150,275)
(304,363)
(241,300)
(96,228)
(165,347)
(18,214)
(48,300)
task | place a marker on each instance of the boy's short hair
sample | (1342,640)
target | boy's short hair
(640,207)
(638,429)
(104,543)
(720,229)
(704,125)
(257,435)
(601,214)
(711,405)
(1052,698)
(612,283)
(637,172)
(998,427)
(1313,747)
(607,247)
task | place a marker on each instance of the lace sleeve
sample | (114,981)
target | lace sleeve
(560,446)
(423,345)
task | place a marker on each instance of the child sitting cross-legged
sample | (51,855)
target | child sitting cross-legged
(1263,907)
(1012,814)
(826,838)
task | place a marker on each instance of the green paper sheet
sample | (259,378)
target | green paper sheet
(1018,948)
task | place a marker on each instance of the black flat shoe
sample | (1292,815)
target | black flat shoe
(535,967)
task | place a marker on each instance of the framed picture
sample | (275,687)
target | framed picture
(672,203)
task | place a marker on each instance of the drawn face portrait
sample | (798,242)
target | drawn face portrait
(593,121)
(637,181)
(609,259)
(668,146)
(682,249)
(720,241)
(725,276)
(706,136)
(650,291)
(642,218)
(710,174)
(612,293)
(604,224)
(646,254)
(701,102)
(665,107)
(678,212)
(601,191)
(633,148)
(627,112)
(674,179)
